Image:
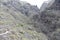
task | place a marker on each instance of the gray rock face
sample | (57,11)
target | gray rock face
(56,5)
(23,7)
(44,5)
(48,21)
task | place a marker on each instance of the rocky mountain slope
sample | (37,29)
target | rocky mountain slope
(48,21)
(23,7)
(14,24)
(22,21)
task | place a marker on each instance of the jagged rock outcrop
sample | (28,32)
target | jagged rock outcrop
(23,7)
(48,21)
(46,5)
(56,5)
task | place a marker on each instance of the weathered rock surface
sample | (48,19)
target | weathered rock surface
(14,24)
(48,21)
(22,21)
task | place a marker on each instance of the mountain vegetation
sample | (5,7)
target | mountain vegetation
(23,21)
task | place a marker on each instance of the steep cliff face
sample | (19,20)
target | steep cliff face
(44,5)
(14,24)
(56,5)
(48,21)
